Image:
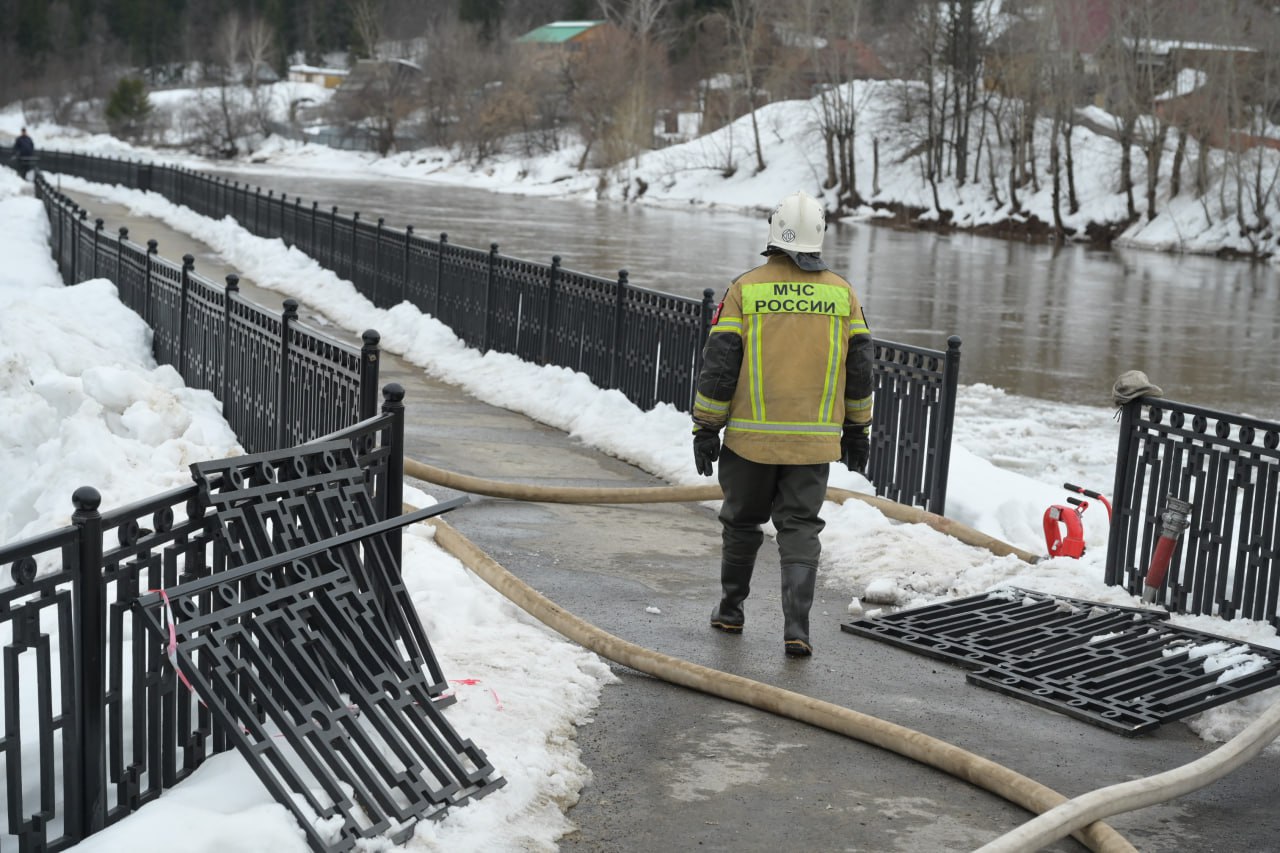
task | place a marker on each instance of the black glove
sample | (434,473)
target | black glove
(706,449)
(855,445)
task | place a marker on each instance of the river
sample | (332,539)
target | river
(1036,320)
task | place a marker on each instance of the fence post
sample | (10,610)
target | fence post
(1121,516)
(69,274)
(90,652)
(333,235)
(354,273)
(83,223)
(620,295)
(58,236)
(549,310)
(488,297)
(946,427)
(232,291)
(444,242)
(188,264)
(404,270)
(123,235)
(287,317)
(297,217)
(271,203)
(377,265)
(97,235)
(393,404)
(257,210)
(311,247)
(147,313)
(81,273)
(370,355)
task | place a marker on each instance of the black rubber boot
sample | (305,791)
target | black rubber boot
(797,597)
(735,585)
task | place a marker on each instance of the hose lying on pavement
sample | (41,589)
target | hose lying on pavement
(682,494)
(984,773)
(1139,793)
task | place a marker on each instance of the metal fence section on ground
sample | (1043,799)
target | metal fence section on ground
(280,382)
(95,724)
(644,343)
(1227,467)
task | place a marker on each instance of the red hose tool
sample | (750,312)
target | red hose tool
(1175,519)
(1089,494)
(1069,542)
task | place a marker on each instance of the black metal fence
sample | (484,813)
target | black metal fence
(642,342)
(280,382)
(96,724)
(1227,563)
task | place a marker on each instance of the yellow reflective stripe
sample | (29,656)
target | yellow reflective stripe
(728,324)
(797,428)
(755,367)
(853,408)
(706,404)
(858,327)
(833,370)
(795,297)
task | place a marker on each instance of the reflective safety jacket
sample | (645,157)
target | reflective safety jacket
(787,363)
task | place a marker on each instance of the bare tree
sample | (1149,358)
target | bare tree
(828,31)
(366,23)
(964,42)
(1133,61)
(926,30)
(217,120)
(259,47)
(383,89)
(643,19)
(597,85)
(745,22)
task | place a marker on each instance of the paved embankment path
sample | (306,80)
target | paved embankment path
(675,770)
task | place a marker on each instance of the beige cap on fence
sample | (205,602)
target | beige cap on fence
(1131,385)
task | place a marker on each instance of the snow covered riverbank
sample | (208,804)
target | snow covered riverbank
(718,170)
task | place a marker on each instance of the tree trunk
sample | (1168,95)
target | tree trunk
(1155,153)
(1202,168)
(1179,154)
(1073,201)
(1126,162)
(875,166)
(755,131)
(1056,171)
(828,140)
(1015,147)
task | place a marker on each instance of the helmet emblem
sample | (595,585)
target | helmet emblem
(789,236)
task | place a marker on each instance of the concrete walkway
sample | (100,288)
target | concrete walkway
(675,770)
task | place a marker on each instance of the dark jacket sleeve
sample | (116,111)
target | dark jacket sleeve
(858,380)
(721,364)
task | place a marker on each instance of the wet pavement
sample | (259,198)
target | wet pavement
(677,770)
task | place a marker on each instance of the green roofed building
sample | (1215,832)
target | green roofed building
(571,34)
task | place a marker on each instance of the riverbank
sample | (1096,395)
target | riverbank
(719,170)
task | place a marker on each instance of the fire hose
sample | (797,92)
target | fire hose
(984,773)
(693,494)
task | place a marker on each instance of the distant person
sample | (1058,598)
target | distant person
(24,153)
(787,374)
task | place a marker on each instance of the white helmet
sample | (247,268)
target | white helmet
(798,224)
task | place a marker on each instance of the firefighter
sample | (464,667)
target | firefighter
(786,373)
